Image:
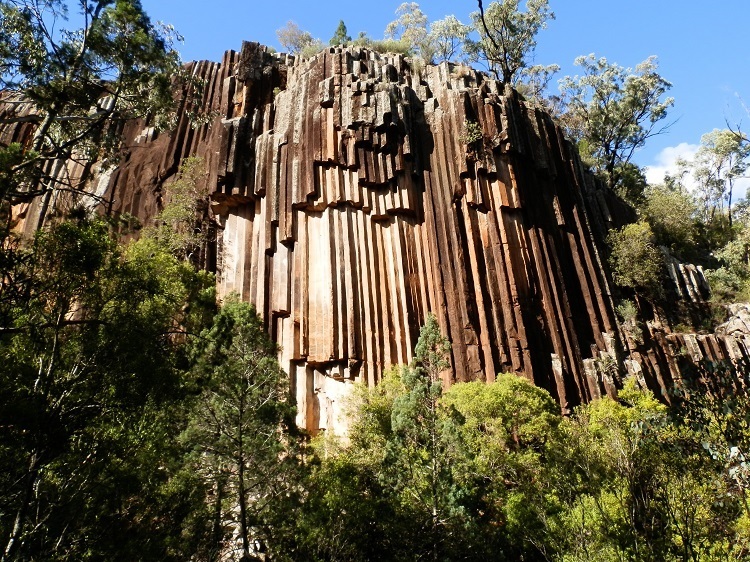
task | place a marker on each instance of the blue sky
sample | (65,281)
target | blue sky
(703,47)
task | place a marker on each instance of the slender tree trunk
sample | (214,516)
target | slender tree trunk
(19,523)
(216,529)
(243,509)
(729,202)
(37,141)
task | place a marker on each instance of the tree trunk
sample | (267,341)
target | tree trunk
(243,510)
(38,139)
(14,540)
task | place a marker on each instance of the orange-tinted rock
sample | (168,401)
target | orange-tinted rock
(349,205)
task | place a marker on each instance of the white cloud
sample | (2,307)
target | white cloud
(666,161)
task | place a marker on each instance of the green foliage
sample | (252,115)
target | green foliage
(298,42)
(118,64)
(628,314)
(636,261)
(91,347)
(727,286)
(13,173)
(719,162)
(312,49)
(730,281)
(511,430)
(627,311)
(390,46)
(340,37)
(631,183)
(182,225)
(671,213)
(447,38)
(532,83)
(472,133)
(507,36)
(410,28)
(294,40)
(614,109)
(383,46)
(402,460)
(239,430)
(615,453)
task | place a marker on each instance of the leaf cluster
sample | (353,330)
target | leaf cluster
(507,35)
(614,109)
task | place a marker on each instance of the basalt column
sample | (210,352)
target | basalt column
(353,195)
(357,204)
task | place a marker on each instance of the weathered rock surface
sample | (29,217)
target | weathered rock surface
(351,201)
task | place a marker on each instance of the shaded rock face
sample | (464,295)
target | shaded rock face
(352,202)
(352,196)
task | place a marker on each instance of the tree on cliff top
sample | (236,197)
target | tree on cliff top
(612,111)
(507,36)
(293,39)
(341,37)
(410,28)
(719,162)
(117,63)
(443,41)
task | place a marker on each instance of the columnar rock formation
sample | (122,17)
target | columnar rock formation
(354,195)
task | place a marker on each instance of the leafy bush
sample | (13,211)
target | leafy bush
(390,46)
(671,214)
(636,261)
(472,132)
(309,51)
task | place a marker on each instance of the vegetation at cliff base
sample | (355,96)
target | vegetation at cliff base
(493,471)
(142,419)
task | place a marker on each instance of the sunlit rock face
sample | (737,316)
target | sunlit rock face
(352,195)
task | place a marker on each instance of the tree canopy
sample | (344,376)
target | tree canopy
(117,64)
(507,35)
(612,110)
(340,37)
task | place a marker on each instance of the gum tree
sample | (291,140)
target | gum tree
(612,111)
(507,35)
(116,64)
(719,162)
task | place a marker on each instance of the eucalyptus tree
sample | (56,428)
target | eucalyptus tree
(720,161)
(507,35)
(79,79)
(410,28)
(448,38)
(295,40)
(612,111)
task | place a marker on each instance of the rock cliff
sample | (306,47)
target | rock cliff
(353,194)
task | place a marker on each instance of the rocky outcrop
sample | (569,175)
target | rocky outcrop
(353,195)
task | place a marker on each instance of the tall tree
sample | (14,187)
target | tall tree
(507,36)
(719,162)
(448,37)
(419,446)
(294,39)
(411,28)
(240,429)
(90,344)
(116,64)
(612,111)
